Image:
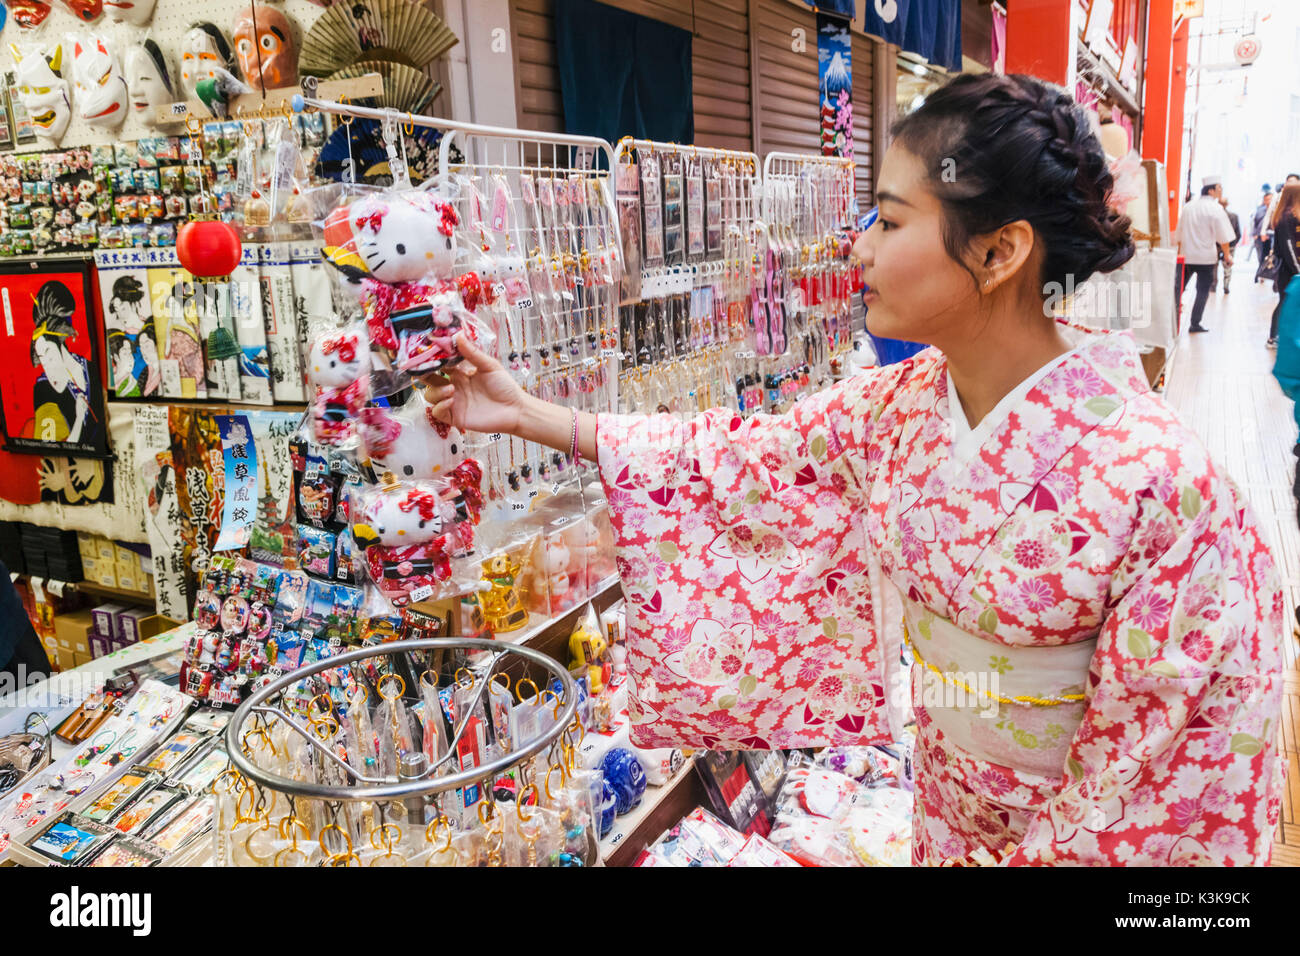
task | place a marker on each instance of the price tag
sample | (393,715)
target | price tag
(609,353)
(579,281)
(179,109)
(555,487)
(532,493)
(422,593)
(499,289)
(517,506)
(525,303)
(494,437)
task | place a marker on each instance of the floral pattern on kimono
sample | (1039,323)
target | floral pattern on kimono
(1089,513)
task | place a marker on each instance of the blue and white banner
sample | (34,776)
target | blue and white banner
(835,73)
(239,451)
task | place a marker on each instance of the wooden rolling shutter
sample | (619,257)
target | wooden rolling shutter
(864,63)
(787,100)
(720,72)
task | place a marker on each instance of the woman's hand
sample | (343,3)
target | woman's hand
(477,393)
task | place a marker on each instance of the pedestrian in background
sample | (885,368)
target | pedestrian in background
(1286,221)
(1232,247)
(1261,234)
(1203,231)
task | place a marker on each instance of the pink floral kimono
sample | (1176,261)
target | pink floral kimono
(1086,565)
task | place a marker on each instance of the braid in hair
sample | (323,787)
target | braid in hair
(1006,148)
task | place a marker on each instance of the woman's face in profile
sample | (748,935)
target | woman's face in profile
(52,363)
(918,293)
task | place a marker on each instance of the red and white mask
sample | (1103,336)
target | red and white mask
(135,12)
(101,90)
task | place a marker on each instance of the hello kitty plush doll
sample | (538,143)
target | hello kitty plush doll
(408,442)
(409,535)
(401,247)
(339,367)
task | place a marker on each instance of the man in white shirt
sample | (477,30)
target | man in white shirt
(1203,229)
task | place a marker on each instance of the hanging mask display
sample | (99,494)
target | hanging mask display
(135,12)
(265,47)
(101,91)
(85,10)
(204,50)
(148,83)
(43,91)
(28,14)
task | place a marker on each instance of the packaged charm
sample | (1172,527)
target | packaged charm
(316,551)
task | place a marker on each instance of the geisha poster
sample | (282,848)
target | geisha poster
(50,391)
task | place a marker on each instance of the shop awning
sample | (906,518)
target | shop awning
(928,28)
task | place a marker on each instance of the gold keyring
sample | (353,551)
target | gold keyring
(379,687)
(327,728)
(288,849)
(506,686)
(347,117)
(383,831)
(484,819)
(326,710)
(519,694)
(409,125)
(431,831)
(342,832)
(192,125)
(519,803)
(342,859)
(466,671)
(288,825)
(541,700)
(264,828)
(235,778)
(239,800)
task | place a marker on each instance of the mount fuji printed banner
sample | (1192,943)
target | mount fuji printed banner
(835,78)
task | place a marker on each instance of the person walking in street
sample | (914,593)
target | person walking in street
(1286,222)
(1232,247)
(1203,231)
(1261,234)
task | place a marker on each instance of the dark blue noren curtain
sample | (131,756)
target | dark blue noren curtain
(928,28)
(622,74)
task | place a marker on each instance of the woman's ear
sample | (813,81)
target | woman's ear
(1004,254)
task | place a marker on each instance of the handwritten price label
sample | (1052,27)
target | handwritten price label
(422,593)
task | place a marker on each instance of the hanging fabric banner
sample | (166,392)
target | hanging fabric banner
(928,28)
(835,76)
(999,38)
(239,453)
(274,539)
(157,471)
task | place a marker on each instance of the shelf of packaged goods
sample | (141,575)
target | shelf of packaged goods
(660,808)
(143,598)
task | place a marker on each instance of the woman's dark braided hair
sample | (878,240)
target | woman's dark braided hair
(1003,148)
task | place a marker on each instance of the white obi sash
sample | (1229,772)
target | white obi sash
(1018,707)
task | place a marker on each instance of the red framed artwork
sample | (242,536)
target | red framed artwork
(51,396)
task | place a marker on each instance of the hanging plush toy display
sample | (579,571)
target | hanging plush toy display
(135,12)
(101,91)
(411,532)
(148,81)
(265,47)
(338,366)
(43,91)
(407,442)
(402,249)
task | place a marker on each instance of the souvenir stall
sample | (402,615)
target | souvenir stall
(342,632)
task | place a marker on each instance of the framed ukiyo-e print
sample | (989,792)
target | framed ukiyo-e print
(51,396)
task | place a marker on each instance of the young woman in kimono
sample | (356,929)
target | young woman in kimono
(1061,544)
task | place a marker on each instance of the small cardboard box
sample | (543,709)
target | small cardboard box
(105,618)
(105,549)
(100,645)
(156,624)
(128,624)
(124,555)
(79,658)
(86,546)
(128,575)
(73,630)
(105,573)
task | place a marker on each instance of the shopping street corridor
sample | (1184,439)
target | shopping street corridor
(1221,383)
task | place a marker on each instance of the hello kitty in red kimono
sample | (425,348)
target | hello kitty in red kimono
(401,247)
(338,366)
(1095,620)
